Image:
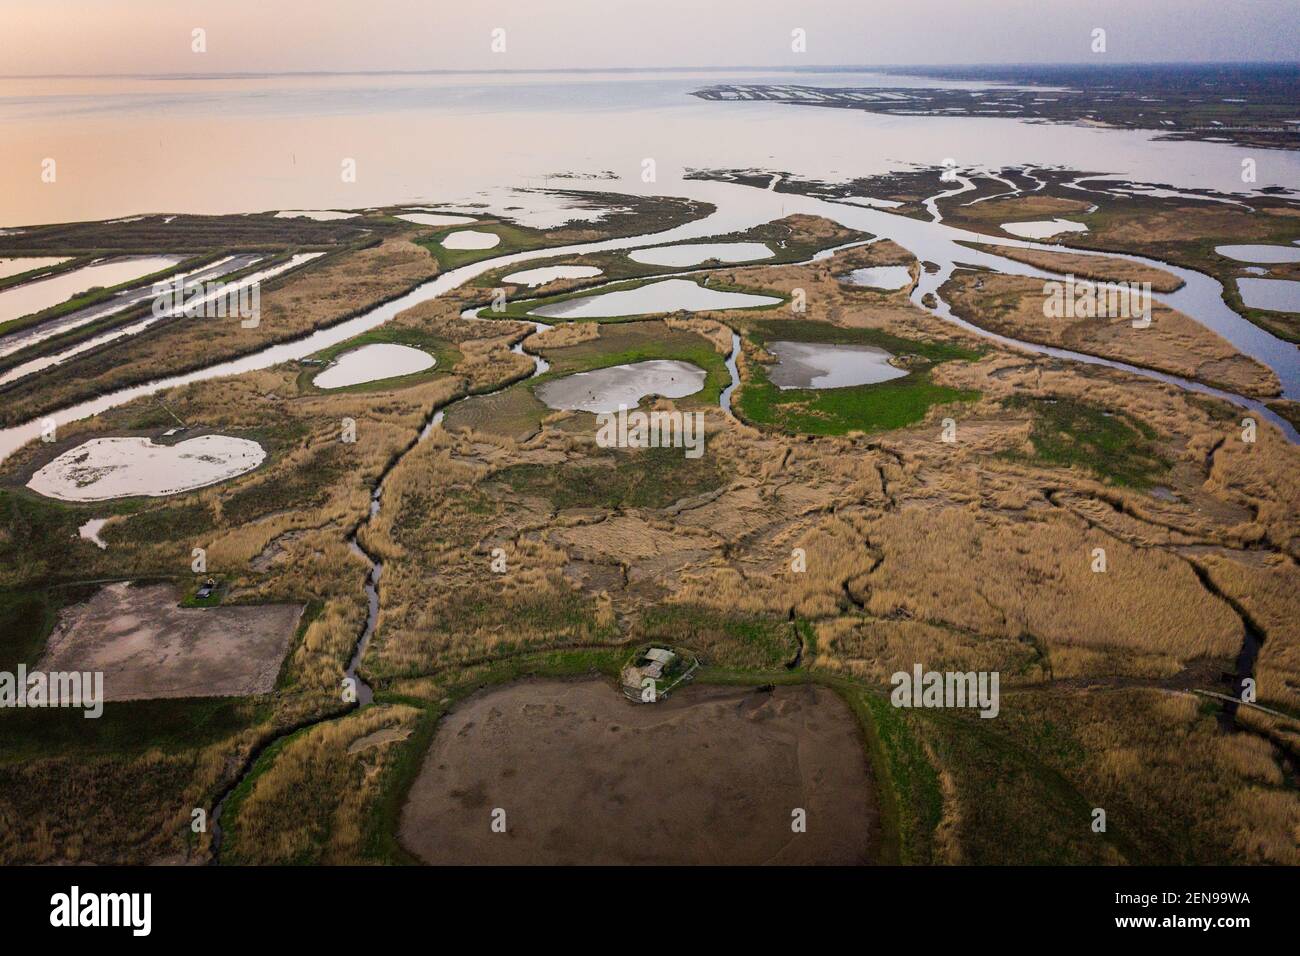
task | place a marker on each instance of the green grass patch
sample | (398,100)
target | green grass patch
(1069,434)
(39,541)
(747,641)
(185,522)
(618,478)
(180,725)
(191,598)
(836,411)
(866,408)
(911,802)
(1015,808)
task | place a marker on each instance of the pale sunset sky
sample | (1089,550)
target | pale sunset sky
(154,36)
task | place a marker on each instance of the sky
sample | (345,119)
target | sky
(156,36)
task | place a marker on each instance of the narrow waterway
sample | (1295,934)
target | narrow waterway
(725,398)
(375,568)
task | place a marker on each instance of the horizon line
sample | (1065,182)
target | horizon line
(784,68)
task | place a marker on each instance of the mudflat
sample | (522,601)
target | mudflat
(148,647)
(584,776)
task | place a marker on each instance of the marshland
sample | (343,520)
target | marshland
(917,466)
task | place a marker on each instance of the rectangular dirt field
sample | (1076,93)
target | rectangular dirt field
(148,647)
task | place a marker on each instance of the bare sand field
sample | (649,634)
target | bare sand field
(586,777)
(148,647)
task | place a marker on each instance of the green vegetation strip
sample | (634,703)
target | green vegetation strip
(43,272)
(126,728)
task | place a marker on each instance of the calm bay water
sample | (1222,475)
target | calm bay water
(125,146)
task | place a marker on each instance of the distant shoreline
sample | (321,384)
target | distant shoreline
(946,71)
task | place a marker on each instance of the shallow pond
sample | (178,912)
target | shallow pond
(536,277)
(1276,295)
(90,532)
(692,254)
(435,219)
(606,389)
(320,215)
(813,365)
(670,295)
(105,468)
(471,239)
(1043,230)
(371,363)
(1259,253)
(880,277)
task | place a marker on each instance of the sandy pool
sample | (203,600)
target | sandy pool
(372,363)
(471,239)
(605,389)
(104,468)
(149,647)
